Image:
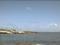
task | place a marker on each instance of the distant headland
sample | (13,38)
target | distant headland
(13,31)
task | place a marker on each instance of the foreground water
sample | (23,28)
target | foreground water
(47,38)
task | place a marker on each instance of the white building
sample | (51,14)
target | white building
(5,31)
(21,32)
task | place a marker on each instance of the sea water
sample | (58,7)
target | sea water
(36,38)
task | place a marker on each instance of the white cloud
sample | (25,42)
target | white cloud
(53,25)
(56,24)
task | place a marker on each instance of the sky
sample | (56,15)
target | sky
(30,15)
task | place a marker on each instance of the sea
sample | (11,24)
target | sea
(41,38)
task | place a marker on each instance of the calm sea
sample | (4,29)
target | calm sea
(36,38)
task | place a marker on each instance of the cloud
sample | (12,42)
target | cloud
(53,25)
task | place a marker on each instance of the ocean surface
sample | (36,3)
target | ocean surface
(42,37)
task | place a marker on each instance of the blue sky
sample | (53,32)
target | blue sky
(33,15)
